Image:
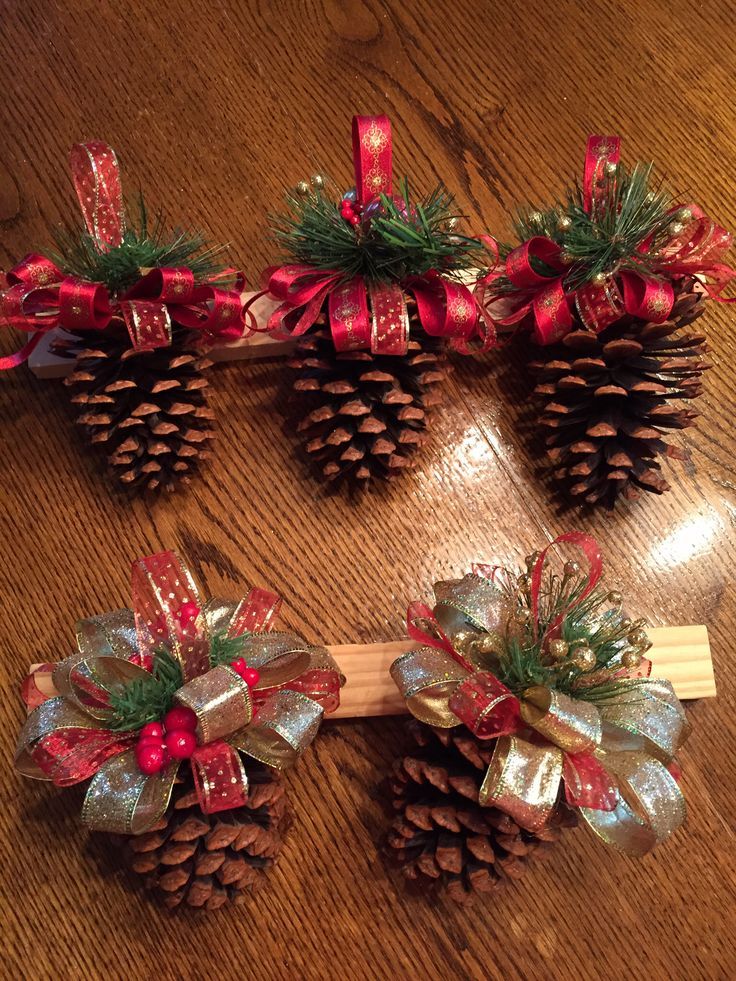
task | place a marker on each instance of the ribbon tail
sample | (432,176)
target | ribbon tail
(650,805)
(122,800)
(20,357)
(281,730)
(220,780)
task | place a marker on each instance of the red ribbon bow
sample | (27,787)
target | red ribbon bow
(547,304)
(363,314)
(41,298)
(490,710)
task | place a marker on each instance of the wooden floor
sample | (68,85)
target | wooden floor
(214,109)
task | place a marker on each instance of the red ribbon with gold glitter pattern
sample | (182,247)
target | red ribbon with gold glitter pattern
(372,315)
(547,305)
(71,737)
(40,297)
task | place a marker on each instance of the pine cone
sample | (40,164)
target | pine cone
(609,398)
(442,834)
(207,860)
(368,414)
(148,408)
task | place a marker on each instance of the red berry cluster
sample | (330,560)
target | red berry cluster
(160,742)
(249,675)
(173,739)
(349,211)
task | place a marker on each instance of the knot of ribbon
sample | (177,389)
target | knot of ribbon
(613,757)
(70,737)
(372,314)
(539,271)
(39,297)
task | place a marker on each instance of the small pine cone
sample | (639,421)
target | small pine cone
(441,834)
(207,860)
(608,399)
(367,414)
(148,409)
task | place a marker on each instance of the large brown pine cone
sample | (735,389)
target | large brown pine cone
(441,834)
(147,409)
(206,860)
(608,399)
(366,415)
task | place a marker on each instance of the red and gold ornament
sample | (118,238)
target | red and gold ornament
(373,315)
(220,717)
(612,756)
(545,303)
(39,297)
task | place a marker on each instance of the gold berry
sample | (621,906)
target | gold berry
(676,227)
(638,637)
(615,597)
(531,560)
(611,167)
(631,658)
(572,568)
(584,657)
(302,188)
(564,222)
(599,278)
(558,649)
(318,181)
(535,218)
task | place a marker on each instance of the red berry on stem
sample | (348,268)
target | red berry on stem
(180,717)
(187,612)
(354,220)
(251,676)
(239,665)
(180,744)
(150,758)
(152,729)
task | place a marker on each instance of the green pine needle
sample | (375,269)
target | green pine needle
(225,650)
(606,241)
(404,237)
(147,699)
(590,622)
(145,246)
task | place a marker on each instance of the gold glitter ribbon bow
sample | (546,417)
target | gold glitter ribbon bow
(611,756)
(71,736)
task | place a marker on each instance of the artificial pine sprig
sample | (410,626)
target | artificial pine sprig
(397,237)
(149,699)
(630,210)
(145,246)
(146,699)
(595,640)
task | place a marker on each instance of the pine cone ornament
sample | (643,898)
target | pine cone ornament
(375,287)
(147,408)
(204,860)
(368,414)
(608,400)
(441,834)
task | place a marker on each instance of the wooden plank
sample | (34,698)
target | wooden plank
(680,654)
(45,364)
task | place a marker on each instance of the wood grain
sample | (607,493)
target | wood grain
(214,108)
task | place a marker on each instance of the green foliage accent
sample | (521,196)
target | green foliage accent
(147,699)
(146,245)
(224,650)
(589,622)
(403,237)
(606,240)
